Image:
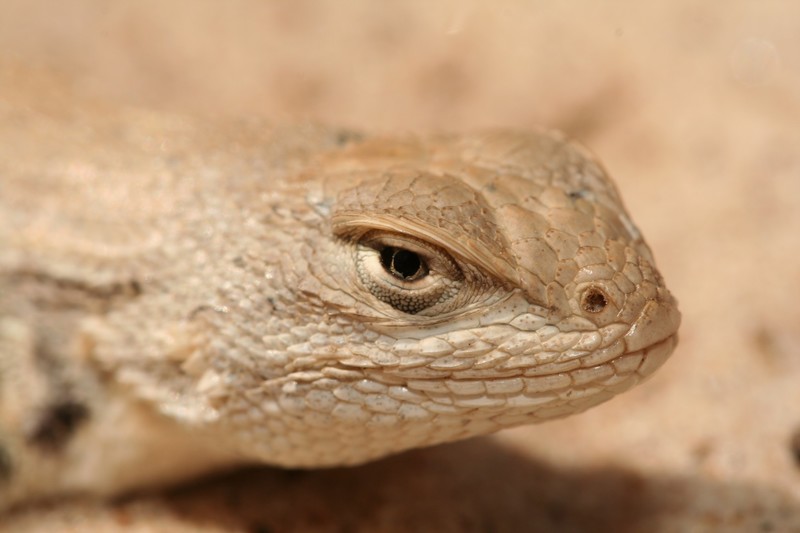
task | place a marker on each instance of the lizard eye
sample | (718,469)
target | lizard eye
(409,274)
(403,264)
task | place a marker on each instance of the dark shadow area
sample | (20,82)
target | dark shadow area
(475,486)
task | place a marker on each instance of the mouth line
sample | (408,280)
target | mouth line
(643,361)
(645,352)
(653,355)
(608,378)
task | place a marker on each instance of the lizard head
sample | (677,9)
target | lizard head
(468,284)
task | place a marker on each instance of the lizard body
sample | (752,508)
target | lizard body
(180,295)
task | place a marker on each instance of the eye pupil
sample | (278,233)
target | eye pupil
(402,264)
(406,263)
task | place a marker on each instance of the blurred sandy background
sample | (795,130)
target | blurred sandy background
(694,108)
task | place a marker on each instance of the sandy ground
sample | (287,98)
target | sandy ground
(694,108)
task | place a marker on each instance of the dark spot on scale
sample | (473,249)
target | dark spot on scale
(57,424)
(794,446)
(135,288)
(575,195)
(6,467)
(200,309)
(344,137)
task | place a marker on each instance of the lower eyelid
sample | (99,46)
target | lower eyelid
(408,297)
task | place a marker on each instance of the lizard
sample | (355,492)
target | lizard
(179,295)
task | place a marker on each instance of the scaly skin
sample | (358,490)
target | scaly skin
(179,296)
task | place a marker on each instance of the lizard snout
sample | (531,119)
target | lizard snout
(658,320)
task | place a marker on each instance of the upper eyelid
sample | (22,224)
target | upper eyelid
(403,241)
